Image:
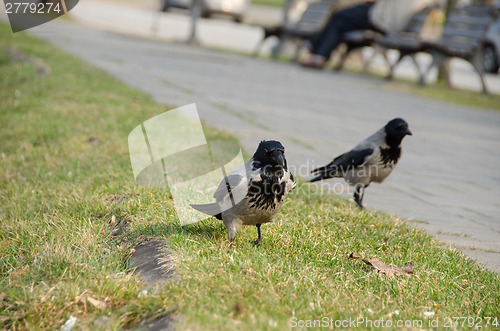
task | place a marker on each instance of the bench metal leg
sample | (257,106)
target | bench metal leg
(437,59)
(258,47)
(386,58)
(343,57)
(393,66)
(276,50)
(376,50)
(483,83)
(390,75)
(413,57)
(477,63)
(274,31)
(420,71)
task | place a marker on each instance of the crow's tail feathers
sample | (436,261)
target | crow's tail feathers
(317,178)
(319,170)
(212,209)
(323,173)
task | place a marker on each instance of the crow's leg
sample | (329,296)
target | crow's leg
(358,195)
(258,242)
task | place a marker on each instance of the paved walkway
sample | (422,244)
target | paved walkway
(447,180)
(133,18)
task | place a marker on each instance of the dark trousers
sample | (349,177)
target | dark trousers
(349,19)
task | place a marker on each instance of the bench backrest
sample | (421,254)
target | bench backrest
(467,26)
(314,17)
(417,21)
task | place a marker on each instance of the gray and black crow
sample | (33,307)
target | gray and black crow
(253,193)
(372,160)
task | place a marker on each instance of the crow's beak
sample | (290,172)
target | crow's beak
(278,158)
(408,132)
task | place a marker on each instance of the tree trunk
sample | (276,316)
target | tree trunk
(444,69)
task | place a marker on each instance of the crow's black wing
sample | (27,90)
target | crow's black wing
(342,164)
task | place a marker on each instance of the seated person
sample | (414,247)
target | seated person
(385,16)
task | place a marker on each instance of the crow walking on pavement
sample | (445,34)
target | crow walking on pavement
(372,160)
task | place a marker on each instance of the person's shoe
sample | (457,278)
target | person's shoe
(316,62)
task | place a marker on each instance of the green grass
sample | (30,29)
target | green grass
(438,91)
(442,92)
(271,3)
(65,171)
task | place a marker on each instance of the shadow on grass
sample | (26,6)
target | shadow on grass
(209,229)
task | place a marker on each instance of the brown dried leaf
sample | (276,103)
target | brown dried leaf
(408,268)
(387,269)
(353,256)
(96,303)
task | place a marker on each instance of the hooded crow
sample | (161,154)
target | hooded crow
(372,160)
(253,193)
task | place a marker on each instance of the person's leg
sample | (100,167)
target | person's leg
(321,35)
(350,19)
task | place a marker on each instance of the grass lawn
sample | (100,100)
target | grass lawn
(438,90)
(271,3)
(441,91)
(65,171)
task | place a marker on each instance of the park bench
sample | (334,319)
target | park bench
(310,22)
(408,42)
(463,37)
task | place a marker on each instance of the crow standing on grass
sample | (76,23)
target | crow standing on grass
(372,160)
(253,193)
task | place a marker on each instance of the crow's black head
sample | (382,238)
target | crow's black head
(396,130)
(270,153)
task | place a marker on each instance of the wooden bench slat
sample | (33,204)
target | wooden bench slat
(401,41)
(463,32)
(474,10)
(468,20)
